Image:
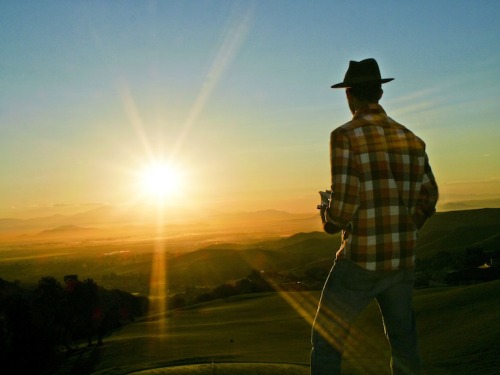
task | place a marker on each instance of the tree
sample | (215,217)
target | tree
(224,291)
(48,305)
(442,260)
(475,257)
(259,283)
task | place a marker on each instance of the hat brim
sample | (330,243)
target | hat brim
(345,85)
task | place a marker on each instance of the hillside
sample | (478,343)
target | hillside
(459,328)
(458,332)
(309,254)
(457,230)
(221,263)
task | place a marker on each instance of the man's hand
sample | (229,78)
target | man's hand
(322,212)
(328,225)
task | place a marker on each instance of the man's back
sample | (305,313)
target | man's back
(379,169)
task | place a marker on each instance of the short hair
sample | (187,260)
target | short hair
(369,92)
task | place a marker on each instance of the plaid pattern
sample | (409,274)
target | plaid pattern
(383,189)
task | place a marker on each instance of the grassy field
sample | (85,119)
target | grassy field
(458,328)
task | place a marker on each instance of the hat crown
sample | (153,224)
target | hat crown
(362,72)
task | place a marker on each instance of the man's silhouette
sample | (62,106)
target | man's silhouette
(383,191)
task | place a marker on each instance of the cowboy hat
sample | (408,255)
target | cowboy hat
(361,73)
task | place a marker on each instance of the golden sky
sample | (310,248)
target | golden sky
(235,96)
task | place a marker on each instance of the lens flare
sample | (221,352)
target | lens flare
(161,180)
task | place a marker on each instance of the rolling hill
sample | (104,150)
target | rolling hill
(458,333)
(457,230)
(314,251)
(222,263)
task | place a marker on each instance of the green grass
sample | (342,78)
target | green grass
(458,328)
(252,328)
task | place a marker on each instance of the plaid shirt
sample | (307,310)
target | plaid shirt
(383,190)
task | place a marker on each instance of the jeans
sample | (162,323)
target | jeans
(347,291)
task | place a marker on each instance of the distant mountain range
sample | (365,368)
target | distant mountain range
(445,230)
(68,231)
(135,221)
(470,204)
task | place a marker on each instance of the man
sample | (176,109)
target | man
(383,191)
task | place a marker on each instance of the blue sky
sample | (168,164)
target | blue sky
(236,93)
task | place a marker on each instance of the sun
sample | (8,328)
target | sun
(161,180)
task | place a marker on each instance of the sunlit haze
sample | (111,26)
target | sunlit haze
(161,181)
(238,94)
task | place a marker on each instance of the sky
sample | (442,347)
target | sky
(235,96)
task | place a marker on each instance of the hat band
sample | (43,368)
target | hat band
(365,79)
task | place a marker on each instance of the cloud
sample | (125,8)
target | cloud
(418,101)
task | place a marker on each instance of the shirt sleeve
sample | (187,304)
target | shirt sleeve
(345,181)
(428,197)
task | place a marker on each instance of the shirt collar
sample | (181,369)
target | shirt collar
(370,109)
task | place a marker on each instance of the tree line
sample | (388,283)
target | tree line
(455,268)
(255,282)
(40,325)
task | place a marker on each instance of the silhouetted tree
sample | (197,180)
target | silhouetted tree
(259,283)
(243,286)
(24,349)
(34,323)
(442,260)
(205,297)
(475,257)
(90,310)
(48,303)
(177,301)
(224,291)
(82,312)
